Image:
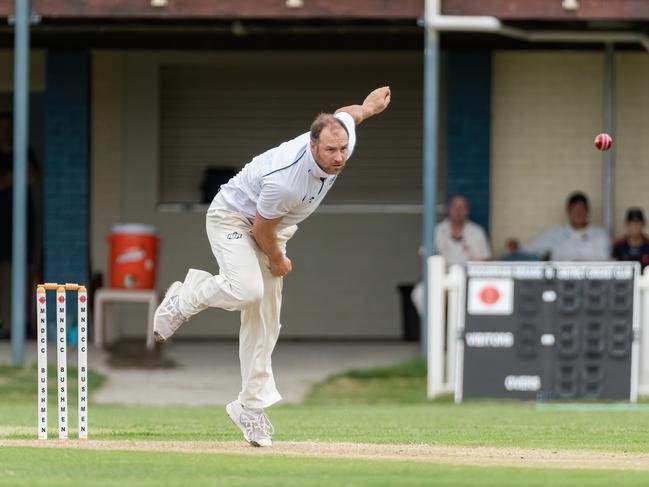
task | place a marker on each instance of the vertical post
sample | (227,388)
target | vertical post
(458,349)
(637,334)
(21,103)
(431,93)
(643,329)
(608,168)
(82,366)
(436,358)
(455,317)
(61,362)
(41,307)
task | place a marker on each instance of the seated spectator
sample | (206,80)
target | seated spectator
(634,245)
(457,239)
(576,240)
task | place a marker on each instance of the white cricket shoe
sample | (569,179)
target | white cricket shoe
(255,425)
(168,317)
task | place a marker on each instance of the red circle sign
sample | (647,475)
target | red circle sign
(489,295)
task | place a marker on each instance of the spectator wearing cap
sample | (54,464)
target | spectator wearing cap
(577,240)
(634,244)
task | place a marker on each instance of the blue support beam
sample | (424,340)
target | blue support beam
(66,185)
(19,251)
(431,109)
(469,130)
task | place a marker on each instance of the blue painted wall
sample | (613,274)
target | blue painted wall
(66,167)
(469,130)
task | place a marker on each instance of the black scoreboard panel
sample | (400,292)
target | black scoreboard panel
(545,331)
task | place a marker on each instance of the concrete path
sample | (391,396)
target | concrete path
(207,373)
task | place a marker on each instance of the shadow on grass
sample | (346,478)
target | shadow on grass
(133,354)
(403,383)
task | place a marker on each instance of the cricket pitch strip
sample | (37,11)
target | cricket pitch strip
(448,455)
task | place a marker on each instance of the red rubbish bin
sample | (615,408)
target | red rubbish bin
(133,256)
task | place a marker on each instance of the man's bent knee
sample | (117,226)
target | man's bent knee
(249,293)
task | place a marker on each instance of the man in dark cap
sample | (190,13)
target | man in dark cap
(634,245)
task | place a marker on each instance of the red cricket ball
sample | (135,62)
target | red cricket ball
(603,142)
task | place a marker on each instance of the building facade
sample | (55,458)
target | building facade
(134,102)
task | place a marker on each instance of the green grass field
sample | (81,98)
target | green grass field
(35,467)
(375,406)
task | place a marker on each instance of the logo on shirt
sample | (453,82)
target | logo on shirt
(234,236)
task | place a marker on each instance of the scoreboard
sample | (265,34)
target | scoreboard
(549,330)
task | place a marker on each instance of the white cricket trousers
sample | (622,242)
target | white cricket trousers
(244,283)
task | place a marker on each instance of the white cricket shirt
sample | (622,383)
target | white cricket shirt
(284,181)
(472,246)
(563,242)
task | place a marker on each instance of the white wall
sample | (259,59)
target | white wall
(346,267)
(546,111)
(631,140)
(547,108)
(106,147)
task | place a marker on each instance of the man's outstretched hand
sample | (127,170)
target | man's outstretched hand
(377,101)
(374,103)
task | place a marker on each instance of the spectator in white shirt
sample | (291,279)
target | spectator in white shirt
(457,239)
(576,240)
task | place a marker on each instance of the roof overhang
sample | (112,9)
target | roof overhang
(506,10)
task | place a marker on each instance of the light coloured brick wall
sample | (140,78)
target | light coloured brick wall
(337,289)
(547,108)
(107,72)
(631,139)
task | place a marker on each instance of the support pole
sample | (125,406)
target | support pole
(431,109)
(21,110)
(608,162)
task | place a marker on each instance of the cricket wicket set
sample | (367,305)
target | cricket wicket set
(61,357)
